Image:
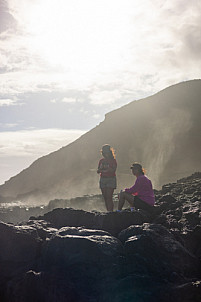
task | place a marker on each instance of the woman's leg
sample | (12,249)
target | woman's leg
(104,193)
(109,200)
(140,204)
(123,196)
(107,195)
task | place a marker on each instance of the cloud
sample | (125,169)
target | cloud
(7,102)
(40,142)
(102,97)
(68,100)
(7,20)
(53,101)
(7,125)
(137,54)
(96,116)
(18,149)
(143,53)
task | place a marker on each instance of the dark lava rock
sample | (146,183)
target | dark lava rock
(75,255)
(187,292)
(152,249)
(19,244)
(74,264)
(113,222)
(69,217)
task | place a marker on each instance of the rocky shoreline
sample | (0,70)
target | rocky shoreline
(70,254)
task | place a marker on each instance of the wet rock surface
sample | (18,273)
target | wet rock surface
(75,255)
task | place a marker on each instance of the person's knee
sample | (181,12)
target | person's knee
(129,197)
(126,195)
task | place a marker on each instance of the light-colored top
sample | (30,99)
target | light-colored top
(105,164)
(143,189)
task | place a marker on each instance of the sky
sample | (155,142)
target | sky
(65,63)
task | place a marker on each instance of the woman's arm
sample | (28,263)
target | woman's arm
(99,170)
(112,167)
(134,188)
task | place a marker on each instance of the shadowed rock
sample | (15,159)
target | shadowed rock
(152,249)
(74,255)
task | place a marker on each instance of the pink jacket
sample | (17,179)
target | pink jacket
(143,189)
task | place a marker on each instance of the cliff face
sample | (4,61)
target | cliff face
(162,132)
(74,255)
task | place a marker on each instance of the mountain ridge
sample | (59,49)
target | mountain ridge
(160,131)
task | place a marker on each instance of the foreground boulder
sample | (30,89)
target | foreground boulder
(152,250)
(79,264)
(72,263)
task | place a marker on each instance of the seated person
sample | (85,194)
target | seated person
(141,194)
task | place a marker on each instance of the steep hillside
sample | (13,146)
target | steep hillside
(161,131)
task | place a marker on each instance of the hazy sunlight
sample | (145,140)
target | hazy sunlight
(80,37)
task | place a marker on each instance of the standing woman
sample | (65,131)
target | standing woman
(106,168)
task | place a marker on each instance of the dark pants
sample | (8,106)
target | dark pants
(140,204)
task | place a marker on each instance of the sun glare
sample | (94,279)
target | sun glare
(82,37)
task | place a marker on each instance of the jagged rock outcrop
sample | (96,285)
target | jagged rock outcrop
(110,222)
(75,255)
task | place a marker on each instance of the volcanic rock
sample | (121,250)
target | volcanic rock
(75,255)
